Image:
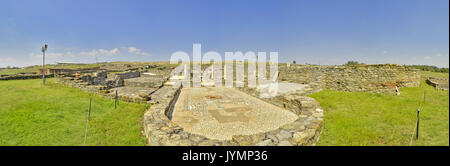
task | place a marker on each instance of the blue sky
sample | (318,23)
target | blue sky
(319,32)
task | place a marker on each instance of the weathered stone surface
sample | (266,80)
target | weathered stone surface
(103,83)
(144,82)
(219,113)
(266,142)
(294,133)
(132,94)
(305,130)
(300,138)
(284,143)
(438,83)
(296,82)
(361,78)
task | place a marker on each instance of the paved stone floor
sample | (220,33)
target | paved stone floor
(219,113)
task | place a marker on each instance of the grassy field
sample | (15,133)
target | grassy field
(426,74)
(33,114)
(31,69)
(375,119)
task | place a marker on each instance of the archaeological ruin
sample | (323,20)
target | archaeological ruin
(218,115)
(438,83)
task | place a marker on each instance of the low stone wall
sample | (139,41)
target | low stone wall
(360,78)
(117,79)
(101,78)
(106,85)
(97,78)
(161,131)
(85,86)
(438,83)
(24,76)
(145,82)
(93,82)
(307,128)
(124,67)
(72,71)
(128,75)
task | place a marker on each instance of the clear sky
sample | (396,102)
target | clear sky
(319,32)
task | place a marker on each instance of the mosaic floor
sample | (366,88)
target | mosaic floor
(219,113)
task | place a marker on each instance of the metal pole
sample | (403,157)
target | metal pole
(87,122)
(43,67)
(417,127)
(418,115)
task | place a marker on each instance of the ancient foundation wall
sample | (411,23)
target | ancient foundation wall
(24,76)
(80,84)
(120,77)
(128,75)
(97,82)
(101,78)
(438,83)
(306,130)
(97,78)
(361,78)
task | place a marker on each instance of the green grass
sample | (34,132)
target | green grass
(33,114)
(426,74)
(357,118)
(32,69)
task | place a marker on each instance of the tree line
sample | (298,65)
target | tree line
(430,68)
(420,67)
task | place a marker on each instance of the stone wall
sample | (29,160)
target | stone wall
(97,78)
(438,83)
(101,78)
(77,82)
(24,76)
(360,78)
(145,82)
(306,129)
(97,82)
(120,77)
(73,71)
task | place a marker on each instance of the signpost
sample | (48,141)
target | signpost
(43,49)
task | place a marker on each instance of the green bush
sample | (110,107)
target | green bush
(430,68)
